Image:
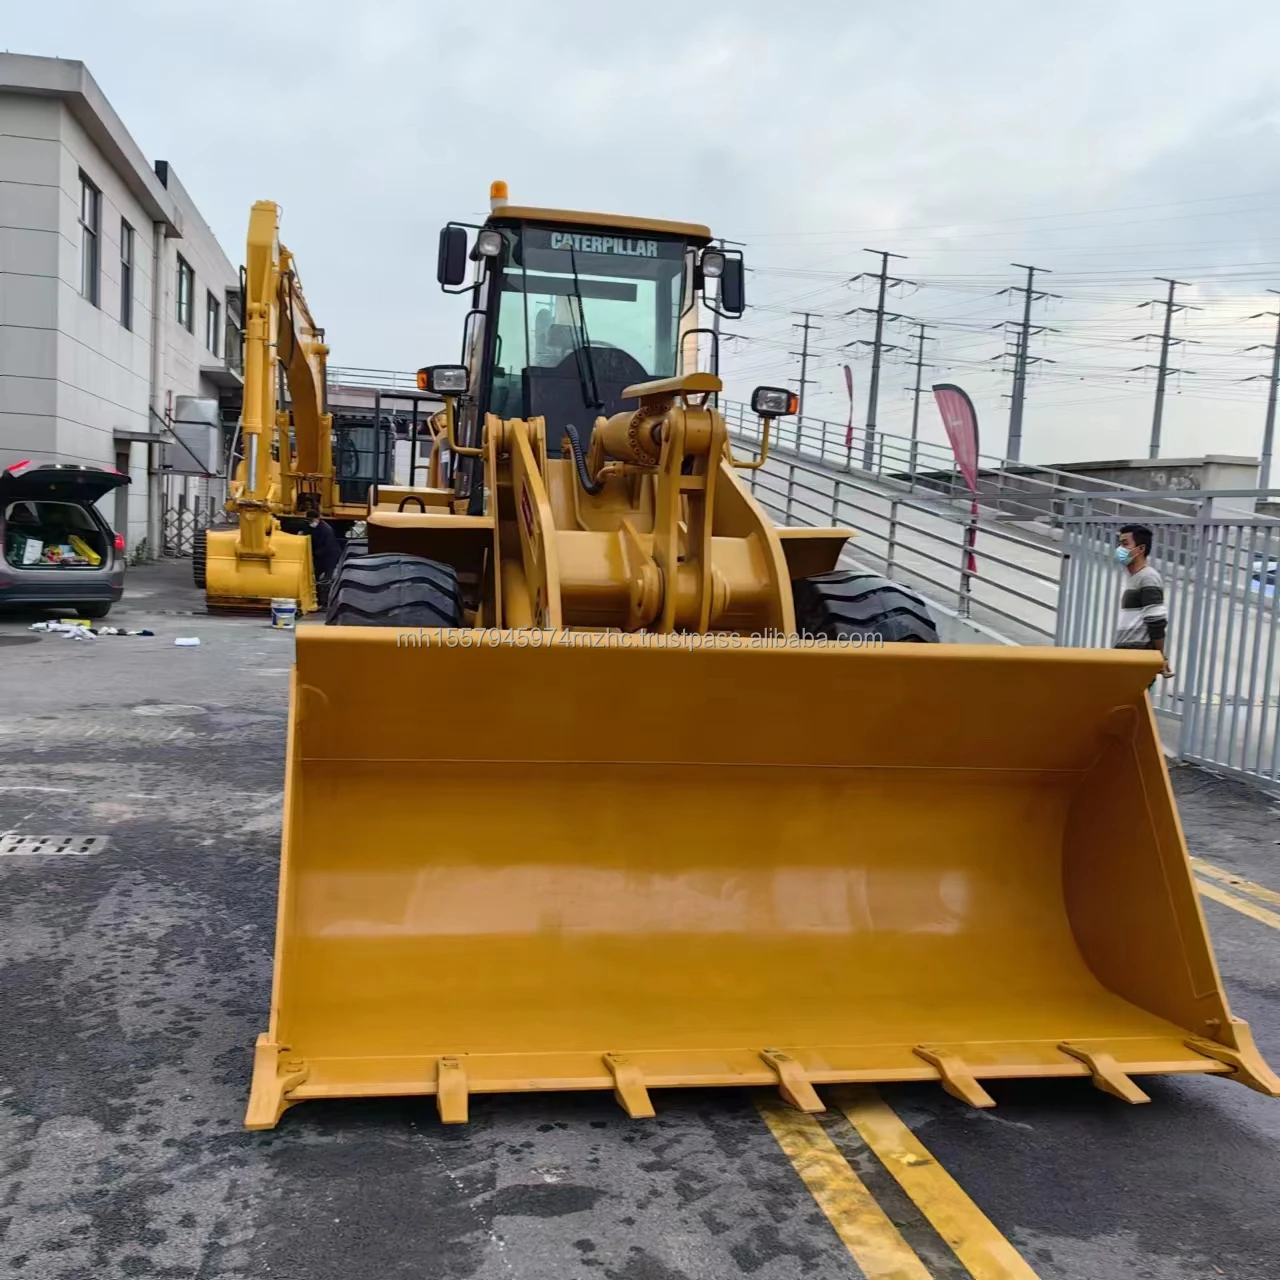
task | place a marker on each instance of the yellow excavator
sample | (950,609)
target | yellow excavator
(596,779)
(286,467)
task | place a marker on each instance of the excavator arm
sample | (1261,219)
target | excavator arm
(256,562)
(309,482)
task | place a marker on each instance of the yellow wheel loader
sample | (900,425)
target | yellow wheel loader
(597,779)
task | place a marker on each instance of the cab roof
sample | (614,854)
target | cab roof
(692,231)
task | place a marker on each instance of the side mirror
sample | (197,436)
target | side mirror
(773,402)
(732,280)
(451,264)
(444,379)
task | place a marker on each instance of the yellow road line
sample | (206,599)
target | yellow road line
(1243,905)
(1239,883)
(986,1254)
(876,1244)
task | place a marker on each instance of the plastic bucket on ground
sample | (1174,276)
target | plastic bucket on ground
(283,613)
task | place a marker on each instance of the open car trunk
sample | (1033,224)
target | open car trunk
(53,535)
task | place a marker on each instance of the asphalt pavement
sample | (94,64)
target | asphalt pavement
(134,979)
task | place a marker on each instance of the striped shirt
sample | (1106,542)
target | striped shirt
(1143,620)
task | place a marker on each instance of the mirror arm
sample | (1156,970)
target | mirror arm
(764,450)
(462,450)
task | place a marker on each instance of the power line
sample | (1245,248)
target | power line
(1269,429)
(1013,447)
(1162,369)
(919,365)
(877,345)
(803,353)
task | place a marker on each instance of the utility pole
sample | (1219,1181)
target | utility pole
(1269,430)
(1021,364)
(919,365)
(1162,369)
(803,353)
(1013,447)
(877,347)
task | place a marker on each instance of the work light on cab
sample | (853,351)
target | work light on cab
(444,379)
(774,402)
(489,244)
(712,264)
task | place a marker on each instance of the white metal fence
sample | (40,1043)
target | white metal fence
(1058,583)
(1224,629)
(1011,491)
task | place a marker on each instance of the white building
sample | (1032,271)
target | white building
(114,294)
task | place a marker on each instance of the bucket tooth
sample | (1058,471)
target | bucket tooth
(629,1087)
(793,1084)
(451,1091)
(272,1080)
(957,1078)
(1246,1063)
(1106,1073)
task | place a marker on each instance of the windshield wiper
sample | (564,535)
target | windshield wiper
(582,344)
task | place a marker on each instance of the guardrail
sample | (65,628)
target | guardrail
(1220,576)
(372,379)
(970,566)
(1008,491)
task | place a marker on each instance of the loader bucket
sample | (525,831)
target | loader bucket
(589,866)
(237,582)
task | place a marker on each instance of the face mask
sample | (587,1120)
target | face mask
(1123,555)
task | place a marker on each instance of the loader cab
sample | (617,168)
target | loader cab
(569,309)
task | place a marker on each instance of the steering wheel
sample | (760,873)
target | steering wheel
(611,364)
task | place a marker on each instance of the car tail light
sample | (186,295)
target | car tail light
(119,541)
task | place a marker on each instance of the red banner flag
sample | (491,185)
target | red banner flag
(848,431)
(961,421)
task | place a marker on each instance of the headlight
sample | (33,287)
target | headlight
(712,264)
(773,402)
(489,244)
(444,379)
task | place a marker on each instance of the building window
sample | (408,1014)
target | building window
(186,295)
(126,274)
(212,322)
(90,226)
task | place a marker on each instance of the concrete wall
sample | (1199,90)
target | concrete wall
(32,259)
(72,376)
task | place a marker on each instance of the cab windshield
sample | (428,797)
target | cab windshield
(581,316)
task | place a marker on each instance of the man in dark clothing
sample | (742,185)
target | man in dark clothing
(325,549)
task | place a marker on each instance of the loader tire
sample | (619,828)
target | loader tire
(351,547)
(199,556)
(848,603)
(393,591)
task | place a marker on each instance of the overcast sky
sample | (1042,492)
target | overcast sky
(1108,142)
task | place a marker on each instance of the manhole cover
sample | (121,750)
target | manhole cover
(12,640)
(168,709)
(12,846)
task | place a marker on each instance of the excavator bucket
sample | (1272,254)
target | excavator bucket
(600,863)
(238,582)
